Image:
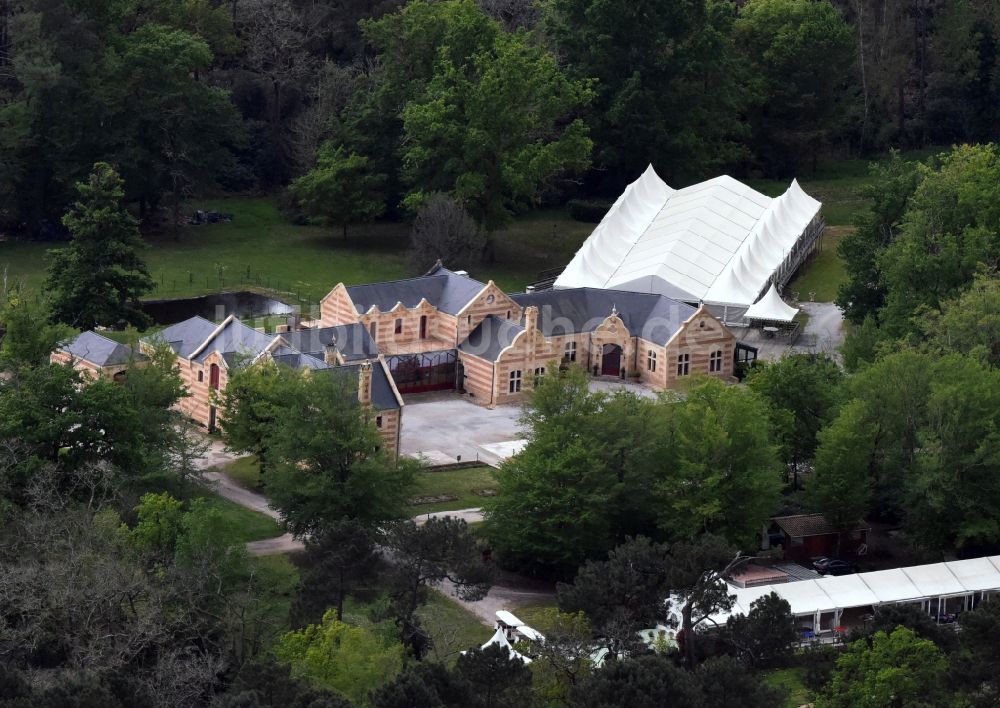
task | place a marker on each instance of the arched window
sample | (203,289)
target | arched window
(651,360)
(213,377)
(398,327)
(373,330)
(423,326)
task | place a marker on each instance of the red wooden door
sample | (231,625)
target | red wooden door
(611,360)
(213,377)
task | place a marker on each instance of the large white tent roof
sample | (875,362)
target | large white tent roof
(718,241)
(911,584)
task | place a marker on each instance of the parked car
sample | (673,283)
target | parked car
(833,566)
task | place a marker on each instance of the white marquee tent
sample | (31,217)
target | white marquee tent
(718,242)
(965,582)
(771,307)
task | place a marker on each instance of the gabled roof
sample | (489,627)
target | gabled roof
(492,336)
(446,290)
(654,318)
(236,338)
(809,525)
(383,395)
(185,337)
(352,341)
(99,350)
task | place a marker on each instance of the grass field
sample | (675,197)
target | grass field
(452,628)
(259,249)
(462,484)
(793,682)
(247,525)
(246,472)
(825,271)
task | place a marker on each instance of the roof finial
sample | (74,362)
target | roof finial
(614,310)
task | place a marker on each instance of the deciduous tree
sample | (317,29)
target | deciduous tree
(895,669)
(341,190)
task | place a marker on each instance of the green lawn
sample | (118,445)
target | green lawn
(259,249)
(793,681)
(452,628)
(245,471)
(462,484)
(247,525)
(825,271)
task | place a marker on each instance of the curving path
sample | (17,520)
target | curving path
(508,593)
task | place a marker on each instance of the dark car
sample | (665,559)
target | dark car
(833,566)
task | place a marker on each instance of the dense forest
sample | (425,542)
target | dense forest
(125,582)
(368,107)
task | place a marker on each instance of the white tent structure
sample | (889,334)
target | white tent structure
(821,604)
(499,637)
(718,242)
(771,307)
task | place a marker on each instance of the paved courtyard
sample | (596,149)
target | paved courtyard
(824,332)
(443,426)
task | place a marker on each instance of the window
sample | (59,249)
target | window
(683,364)
(651,360)
(378,421)
(508,314)
(570,352)
(515,382)
(715,360)
(373,330)
(539,374)
(201,376)
(468,320)
(423,326)
(398,327)
(490,298)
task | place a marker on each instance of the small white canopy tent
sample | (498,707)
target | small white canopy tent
(771,307)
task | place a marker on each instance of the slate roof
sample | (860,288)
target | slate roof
(446,290)
(99,350)
(352,341)
(383,396)
(492,336)
(655,318)
(237,341)
(184,337)
(236,338)
(809,525)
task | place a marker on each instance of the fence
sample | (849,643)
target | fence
(170,283)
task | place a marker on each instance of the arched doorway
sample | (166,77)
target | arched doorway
(213,383)
(611,360)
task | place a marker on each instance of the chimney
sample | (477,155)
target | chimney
(531,318)
(330,351)
(365,383)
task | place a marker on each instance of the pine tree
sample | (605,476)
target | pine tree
(99,278)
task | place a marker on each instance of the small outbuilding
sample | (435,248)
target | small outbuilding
(807,536)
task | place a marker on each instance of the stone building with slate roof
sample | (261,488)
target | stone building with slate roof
(207,352)
(95,355)
(447,331)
